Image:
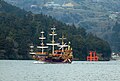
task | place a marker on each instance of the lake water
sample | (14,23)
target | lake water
(24,70)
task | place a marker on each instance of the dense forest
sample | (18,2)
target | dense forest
(115,36)
(19,29)
(96,16)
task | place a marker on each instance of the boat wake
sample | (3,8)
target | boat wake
(38,62)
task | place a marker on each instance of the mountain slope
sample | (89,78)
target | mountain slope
(20,29)
(96,16)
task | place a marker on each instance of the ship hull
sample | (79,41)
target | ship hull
(54,61)
(49,62)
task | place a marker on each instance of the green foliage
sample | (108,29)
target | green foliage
(116,37)
(19,30)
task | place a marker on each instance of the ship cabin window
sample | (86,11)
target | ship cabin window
(59,53)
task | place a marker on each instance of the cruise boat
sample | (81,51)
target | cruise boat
(59,53)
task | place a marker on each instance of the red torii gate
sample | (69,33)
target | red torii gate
(92,56)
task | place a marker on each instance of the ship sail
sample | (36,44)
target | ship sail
(62,44)
(31,50)
(53,44)
(42,38)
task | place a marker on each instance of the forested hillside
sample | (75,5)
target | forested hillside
(19,29)
(96,16)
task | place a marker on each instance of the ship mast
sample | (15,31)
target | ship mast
(31,50)
(42,38)
(63,44)
(53,34)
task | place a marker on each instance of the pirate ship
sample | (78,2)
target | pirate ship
(63,54)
